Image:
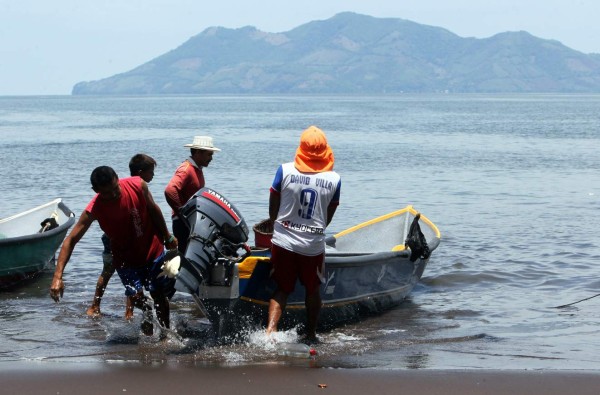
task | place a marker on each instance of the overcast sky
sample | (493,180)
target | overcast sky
(47,46)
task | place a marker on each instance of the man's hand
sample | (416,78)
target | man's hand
(171,243)
(57,289)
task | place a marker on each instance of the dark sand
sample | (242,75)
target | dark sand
(45,378)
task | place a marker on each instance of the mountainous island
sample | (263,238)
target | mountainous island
(356,54)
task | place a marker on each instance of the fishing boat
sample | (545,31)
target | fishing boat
(29,240)
(369,268)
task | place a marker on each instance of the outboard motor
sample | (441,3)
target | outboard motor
(218,236)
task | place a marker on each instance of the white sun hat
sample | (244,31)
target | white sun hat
(202,142)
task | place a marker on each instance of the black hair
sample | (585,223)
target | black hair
(102,175)
(141,162)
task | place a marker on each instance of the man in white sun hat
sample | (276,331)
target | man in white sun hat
(186,181)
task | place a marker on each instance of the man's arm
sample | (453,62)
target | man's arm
(330,212)
(157,218)
(275,194)
(57,287)
(173,189)
(274,201)
(334,202)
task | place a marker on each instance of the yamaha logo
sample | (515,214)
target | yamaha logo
(220,200)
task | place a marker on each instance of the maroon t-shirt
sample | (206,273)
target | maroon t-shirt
(187,180)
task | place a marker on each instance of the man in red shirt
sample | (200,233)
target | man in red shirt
(128,215)
(187,180)
(140,165)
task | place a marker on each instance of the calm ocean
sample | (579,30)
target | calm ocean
(512,182)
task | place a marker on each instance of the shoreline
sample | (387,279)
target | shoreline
(69,378)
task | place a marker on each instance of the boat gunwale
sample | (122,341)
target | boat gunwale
(354,259)
(363,259)
(56,202)
(33,236)
(334,302)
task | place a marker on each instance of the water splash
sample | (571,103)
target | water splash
(260,339)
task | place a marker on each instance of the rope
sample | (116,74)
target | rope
(570,304)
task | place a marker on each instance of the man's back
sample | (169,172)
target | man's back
(302,217)
(127,223)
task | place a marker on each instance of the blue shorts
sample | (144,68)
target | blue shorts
(106,244)
(146,277)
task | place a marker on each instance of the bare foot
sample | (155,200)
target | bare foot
(271,335)
(93,311)
(129,308)
(128,314)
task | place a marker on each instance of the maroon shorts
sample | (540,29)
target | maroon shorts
(289,266)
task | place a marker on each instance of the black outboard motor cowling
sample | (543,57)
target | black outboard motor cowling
(218,236)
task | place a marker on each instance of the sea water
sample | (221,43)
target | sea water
(512,182)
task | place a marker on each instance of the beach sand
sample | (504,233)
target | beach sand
(122,379)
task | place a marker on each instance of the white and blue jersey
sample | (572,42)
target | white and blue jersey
(302,217)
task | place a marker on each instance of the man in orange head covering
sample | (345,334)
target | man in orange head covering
(303,199)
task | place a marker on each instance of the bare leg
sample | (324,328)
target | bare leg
(94,309)
(141,302)
(129,308)
(313,308)
(163,310)
(276,307)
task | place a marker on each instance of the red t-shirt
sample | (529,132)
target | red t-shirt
(187,180)
(127,223)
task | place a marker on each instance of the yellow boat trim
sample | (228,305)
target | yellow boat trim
(432,225)
(246,267)
(408,208)
(255,301)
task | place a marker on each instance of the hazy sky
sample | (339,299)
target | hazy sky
(47,46)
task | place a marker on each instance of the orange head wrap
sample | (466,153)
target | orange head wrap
(313,155)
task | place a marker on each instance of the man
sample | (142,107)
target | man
(127,213)
(140,165)
(186,181)
(303,199)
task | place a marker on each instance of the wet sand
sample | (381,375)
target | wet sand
(45,378)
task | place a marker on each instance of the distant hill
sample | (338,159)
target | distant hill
(352,53)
